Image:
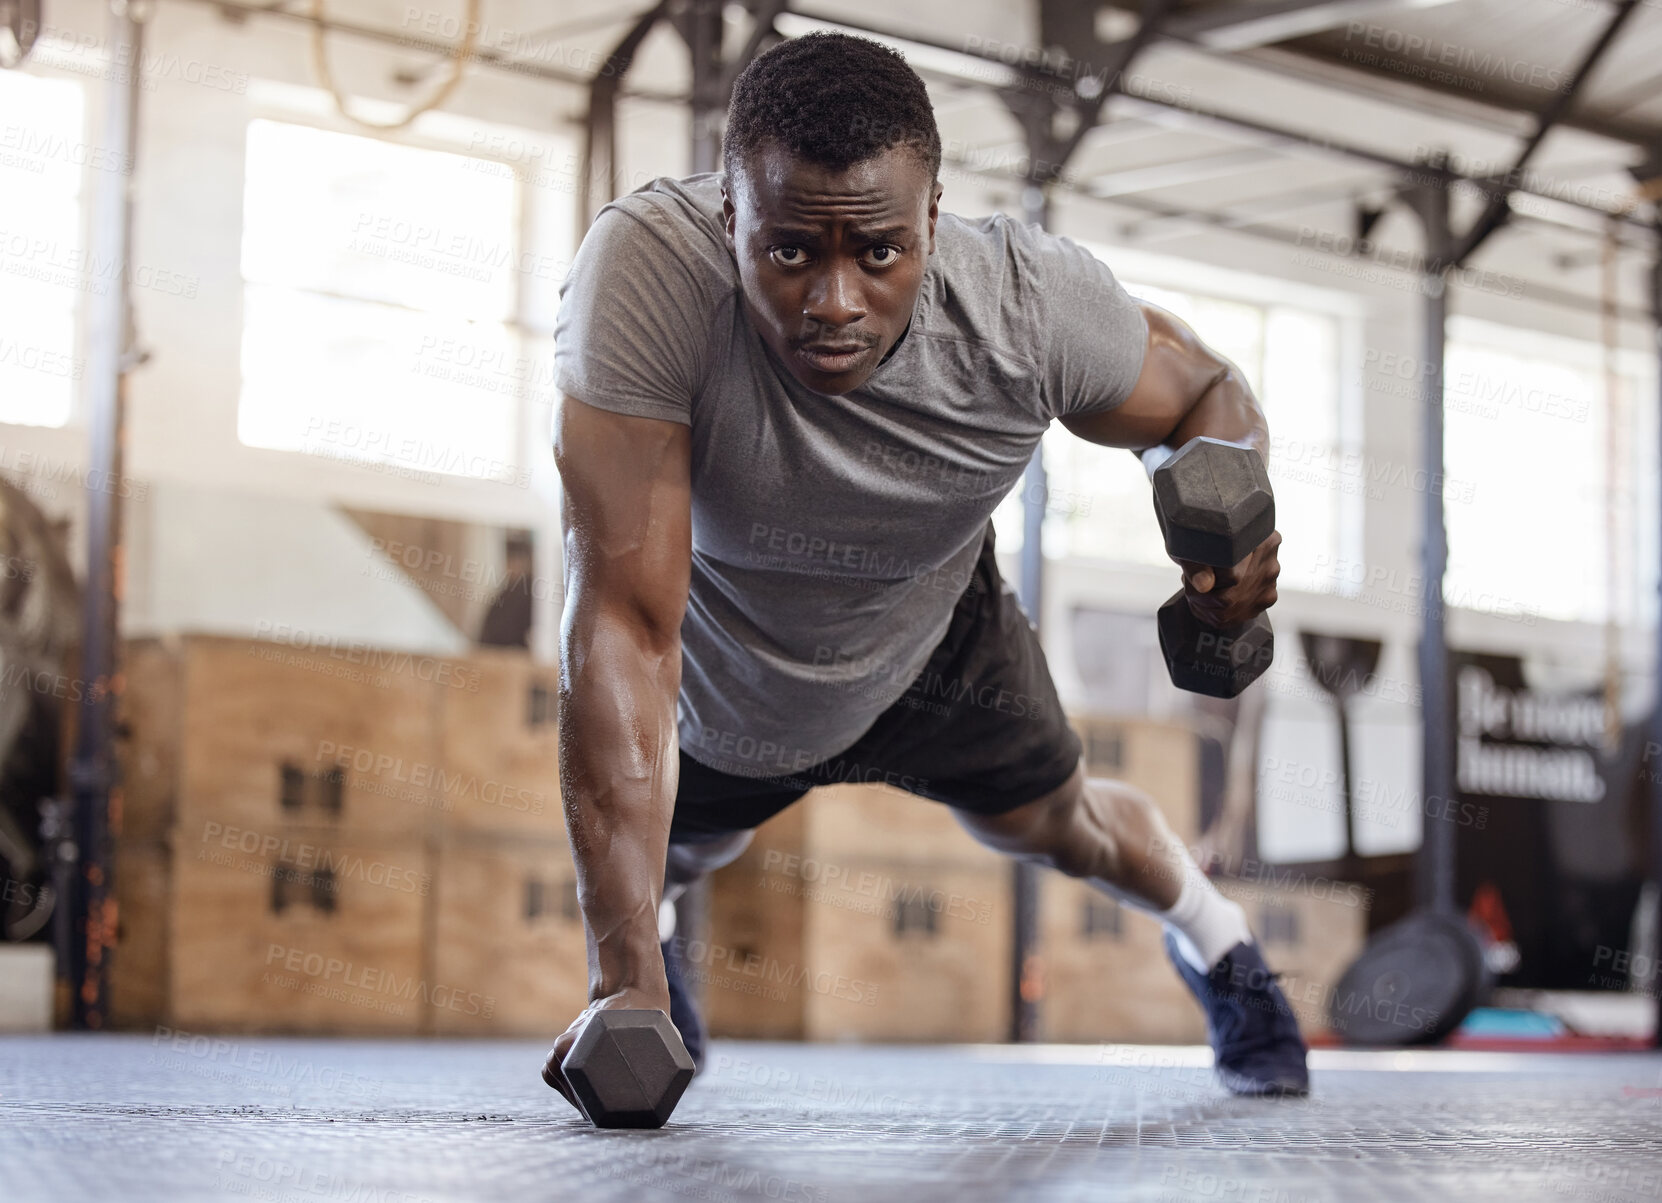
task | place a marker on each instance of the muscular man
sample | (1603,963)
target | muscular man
(793,394)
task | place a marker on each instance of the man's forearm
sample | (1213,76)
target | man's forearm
(618,773)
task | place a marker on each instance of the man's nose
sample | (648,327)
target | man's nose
(835,299)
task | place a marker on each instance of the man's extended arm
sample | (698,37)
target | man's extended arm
(1186,389)
(627,518)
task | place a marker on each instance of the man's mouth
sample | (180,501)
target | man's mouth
(832,358)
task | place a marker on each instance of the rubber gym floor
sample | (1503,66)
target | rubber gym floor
(178,1118)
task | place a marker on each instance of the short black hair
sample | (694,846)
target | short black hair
(831,99)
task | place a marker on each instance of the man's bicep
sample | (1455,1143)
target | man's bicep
(626,487)
(1177,368)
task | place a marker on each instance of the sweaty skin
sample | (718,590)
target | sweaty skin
(831,264)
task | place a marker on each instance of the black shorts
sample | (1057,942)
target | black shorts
(980,728)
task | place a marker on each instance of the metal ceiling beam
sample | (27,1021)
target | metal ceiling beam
(1314,62)
(529,68)
(1217,117)
(1312,58)
(1176,173)
(600,123)
(1495,212)
(1235,27)
(1385,258)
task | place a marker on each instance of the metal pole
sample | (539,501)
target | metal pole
(1436,878)
(1025,976)
(702,29)
(1654,777)
(92,769)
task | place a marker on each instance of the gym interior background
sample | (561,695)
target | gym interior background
(282,584)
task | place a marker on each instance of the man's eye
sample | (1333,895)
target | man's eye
(884,255)
(789,256)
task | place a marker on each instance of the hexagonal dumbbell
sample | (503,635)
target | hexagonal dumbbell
(1214,504)
(628,1069)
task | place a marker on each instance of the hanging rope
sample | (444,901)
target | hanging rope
(458,64)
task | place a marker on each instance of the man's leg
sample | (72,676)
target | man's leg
(688,862)
(1114,837)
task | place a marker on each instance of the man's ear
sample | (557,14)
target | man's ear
(729,216)
(934,215)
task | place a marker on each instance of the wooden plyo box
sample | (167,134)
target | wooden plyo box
(387,820)
(302,931)
(1310,931)
(508,932)
(860,913)
(1106,974)
(255,734)
(501,748)
(1161,759)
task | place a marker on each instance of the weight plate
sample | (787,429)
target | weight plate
(1413,984)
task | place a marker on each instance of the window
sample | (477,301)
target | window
(1532,451)
(1099,504)
(43,269)
(383,293)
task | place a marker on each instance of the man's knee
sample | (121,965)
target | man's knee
(1083,830)
(689,861)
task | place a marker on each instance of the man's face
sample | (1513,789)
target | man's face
(831,261)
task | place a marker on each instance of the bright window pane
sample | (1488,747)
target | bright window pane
(382,284)
(1300,395)
(360,217)
(43,271)
(1099,503)
(1528,435)
(420,392)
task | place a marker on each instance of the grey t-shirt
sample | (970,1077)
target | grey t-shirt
(832,536)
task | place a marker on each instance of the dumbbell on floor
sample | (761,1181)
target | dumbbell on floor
(628,1069)
(1214,504)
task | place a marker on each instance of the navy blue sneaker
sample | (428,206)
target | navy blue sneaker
(683,1012)
(1256,1046)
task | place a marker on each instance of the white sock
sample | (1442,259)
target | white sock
(1203,923)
